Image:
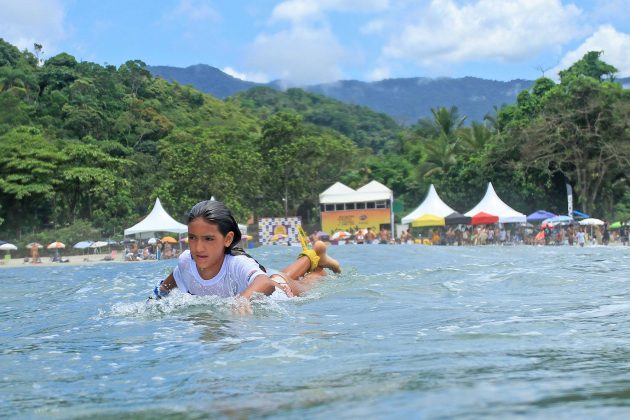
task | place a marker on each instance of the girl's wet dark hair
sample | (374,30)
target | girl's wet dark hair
(217,213)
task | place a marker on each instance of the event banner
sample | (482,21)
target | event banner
(334,221)
(278,230)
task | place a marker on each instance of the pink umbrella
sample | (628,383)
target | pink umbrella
(56,245)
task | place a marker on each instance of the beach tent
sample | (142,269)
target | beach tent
(578,214)
(343,208)
(157,221)
(432,204)
(483,218)
(339,193)
(428,220)
(493,205)
(456,218)
(539,216)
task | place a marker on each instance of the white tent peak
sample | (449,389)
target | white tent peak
(340,193)
(492,204)
(157,221)
(374,186)
(338,188)
(432,204)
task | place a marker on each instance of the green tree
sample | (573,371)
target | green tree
(28,175)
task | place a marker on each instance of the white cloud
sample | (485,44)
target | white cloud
(505,31)
(25,22)
(250,77)
(614,44)
(308,51)
(379,73)
(376,26)
(301,55)
(304,10)
(192,11)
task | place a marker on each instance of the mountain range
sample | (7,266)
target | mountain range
(404,99)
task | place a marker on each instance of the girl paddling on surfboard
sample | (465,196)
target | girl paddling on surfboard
(215,266)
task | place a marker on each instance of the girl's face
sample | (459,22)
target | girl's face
(207,246)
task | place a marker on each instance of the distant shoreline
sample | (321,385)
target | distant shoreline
(73,260)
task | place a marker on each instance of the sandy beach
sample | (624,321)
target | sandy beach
(72,260)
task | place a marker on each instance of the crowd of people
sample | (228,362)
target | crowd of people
(150,251)
(496,234)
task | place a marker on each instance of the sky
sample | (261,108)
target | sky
(316,41)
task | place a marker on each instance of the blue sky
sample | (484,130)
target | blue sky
(312,41)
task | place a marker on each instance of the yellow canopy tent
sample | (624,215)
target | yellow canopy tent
(428,220)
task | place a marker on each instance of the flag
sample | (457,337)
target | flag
(570,201)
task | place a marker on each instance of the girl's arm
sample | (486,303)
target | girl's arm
(168,284)
(164,288)
(264,284)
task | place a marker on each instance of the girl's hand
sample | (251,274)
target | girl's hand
(243,306)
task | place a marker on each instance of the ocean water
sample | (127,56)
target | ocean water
(405,332)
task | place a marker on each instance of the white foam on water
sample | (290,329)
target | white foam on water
(602,311)
(132,349)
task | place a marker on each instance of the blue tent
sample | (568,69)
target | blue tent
(581,215)
(539,215)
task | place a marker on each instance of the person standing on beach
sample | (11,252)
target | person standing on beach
(213,265)
(35,259)
(369,236)
(581,237)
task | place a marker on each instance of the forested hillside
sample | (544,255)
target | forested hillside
(365,127)
(406,100)
(85,147)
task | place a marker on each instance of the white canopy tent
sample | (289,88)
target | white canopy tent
(339,193)
(432,204)
(157,221)
(492,204)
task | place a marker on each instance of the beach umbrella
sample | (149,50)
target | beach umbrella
(546,224)
(428,220)
(539,215)
(559,220)
(342,234)
(98,244)
(169,239)
(615,225)
(37,244)
(456,218)
(483,218)
(8,247)
(56,245)
(82,244)
(591,222)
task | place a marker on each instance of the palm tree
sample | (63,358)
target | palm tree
(440,154)
(476,137)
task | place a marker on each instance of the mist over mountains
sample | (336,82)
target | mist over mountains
(404,99)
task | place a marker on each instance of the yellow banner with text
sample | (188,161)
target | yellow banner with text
(334,221)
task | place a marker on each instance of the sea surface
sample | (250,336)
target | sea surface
(406,331)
